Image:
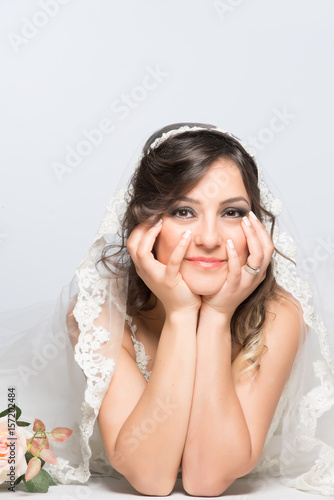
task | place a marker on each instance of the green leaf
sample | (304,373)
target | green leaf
(23,424)
(19,479)
(39,483)
(51,481)
(28,456)
(18,412)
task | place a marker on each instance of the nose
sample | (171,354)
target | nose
(207,234)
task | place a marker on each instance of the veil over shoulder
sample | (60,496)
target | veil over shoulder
(61,360)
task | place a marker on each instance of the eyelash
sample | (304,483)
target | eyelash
(241,212)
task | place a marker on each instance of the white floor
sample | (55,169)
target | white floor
(97,488)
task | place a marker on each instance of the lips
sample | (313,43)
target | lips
(205,262)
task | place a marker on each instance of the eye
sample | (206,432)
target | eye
(183,213)
(234,213)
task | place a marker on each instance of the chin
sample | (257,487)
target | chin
(205,287)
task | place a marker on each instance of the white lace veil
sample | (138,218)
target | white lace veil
(89,322)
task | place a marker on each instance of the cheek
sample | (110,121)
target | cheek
(239,239)
(166,243)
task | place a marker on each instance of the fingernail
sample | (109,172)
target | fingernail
(246,221)
(230,243)
(159,222)
(186,234)
(252,214)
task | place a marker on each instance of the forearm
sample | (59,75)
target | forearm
(151,441)
(218,441)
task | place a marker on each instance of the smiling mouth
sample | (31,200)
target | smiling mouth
(205,262)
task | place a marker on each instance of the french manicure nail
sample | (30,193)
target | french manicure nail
(252,214)
(159,222)
(186,234)
(246,221)
(230,243)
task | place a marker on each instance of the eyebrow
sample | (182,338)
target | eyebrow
(224,202)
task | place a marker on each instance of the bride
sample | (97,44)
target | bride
(198,349)
(208,311)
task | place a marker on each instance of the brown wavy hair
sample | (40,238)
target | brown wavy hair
(164,175)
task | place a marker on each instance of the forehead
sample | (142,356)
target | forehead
(222,180)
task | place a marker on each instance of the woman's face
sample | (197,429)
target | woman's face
(213,211)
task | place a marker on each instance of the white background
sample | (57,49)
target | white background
(67,64)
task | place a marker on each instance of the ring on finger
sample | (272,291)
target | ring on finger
(251,270)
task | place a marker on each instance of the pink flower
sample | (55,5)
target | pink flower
(12,450)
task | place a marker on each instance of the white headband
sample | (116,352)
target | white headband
(186,128)
(268,201)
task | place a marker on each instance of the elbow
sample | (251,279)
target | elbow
(212,483)
(145,479)
(204,479)
(205,486)
(151,485)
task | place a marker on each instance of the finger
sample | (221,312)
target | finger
(263,235)
(177,256)
(133,241)
(234,267)
(256,251)
(141,244)
(147,241)
(260,256)
(136,235)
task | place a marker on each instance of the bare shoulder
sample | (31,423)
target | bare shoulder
(283,324)
(286,300)
(281,334)
(284,308)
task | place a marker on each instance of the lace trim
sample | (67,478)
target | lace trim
(141,358)
(93,291)
(287,277)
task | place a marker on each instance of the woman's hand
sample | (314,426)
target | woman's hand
(240,283)
(165,281)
